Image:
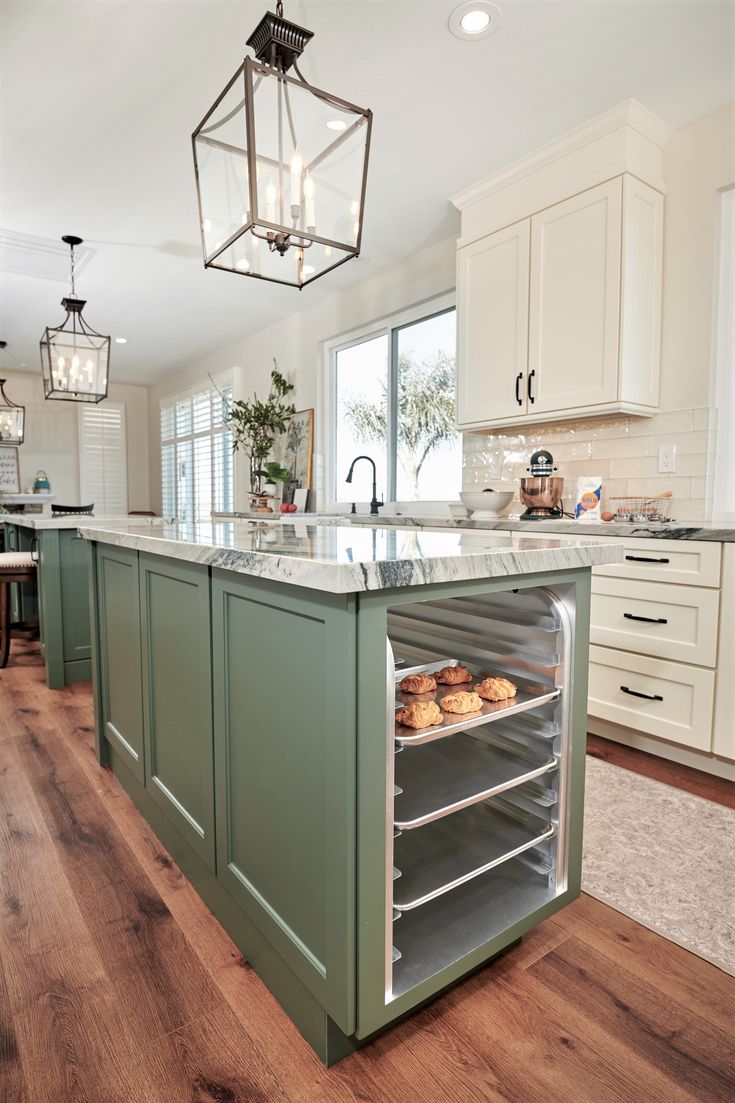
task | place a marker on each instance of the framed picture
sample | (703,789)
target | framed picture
(9,472)
(294,448)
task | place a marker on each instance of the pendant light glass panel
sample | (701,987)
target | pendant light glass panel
(281,171)
(12,419)
(74,359)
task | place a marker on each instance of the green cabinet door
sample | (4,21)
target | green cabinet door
(177,695)
(285,745)
(75,555)
(120,688)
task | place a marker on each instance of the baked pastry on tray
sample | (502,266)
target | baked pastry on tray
(419,714)
(461,702)
(418,683)
(453,675)
(496,689)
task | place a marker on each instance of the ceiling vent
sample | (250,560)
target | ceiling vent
(42,257)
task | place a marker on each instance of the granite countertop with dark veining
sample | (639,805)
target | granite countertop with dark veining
(38,523)
(349,559)
(670,530)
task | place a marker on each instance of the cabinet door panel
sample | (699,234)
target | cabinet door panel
(285,747)
(575,301)
(492,352)
(74,553)
(177,697)
(119,653)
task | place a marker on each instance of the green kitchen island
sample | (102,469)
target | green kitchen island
(60,598)
(246,684)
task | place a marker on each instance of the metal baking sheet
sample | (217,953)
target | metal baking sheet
(529,696)
(450,851)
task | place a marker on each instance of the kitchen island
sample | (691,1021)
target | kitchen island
(246,683)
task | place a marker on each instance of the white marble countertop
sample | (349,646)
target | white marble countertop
(670,530)
(38,522)
(347,559)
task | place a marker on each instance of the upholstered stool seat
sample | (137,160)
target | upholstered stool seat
(14,567)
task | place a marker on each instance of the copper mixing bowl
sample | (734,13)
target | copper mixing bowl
(542,492)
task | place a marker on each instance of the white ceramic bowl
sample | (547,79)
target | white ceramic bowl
(488,504)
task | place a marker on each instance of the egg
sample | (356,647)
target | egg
(606,516)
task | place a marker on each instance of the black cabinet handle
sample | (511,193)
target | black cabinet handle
(645,559)
(519,377)
(648,620)
(645,696)
(531,399)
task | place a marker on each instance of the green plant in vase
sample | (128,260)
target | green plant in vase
(255,425)
(273,473)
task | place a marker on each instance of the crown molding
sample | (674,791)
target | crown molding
(630,113)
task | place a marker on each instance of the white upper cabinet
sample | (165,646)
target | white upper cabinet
(559,278)
(492,334)
(575,302)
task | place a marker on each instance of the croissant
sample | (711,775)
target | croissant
(418,683)
(453,675)
(419,714)
(496,689)
(461,702)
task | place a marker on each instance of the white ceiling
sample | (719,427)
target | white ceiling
(98,100)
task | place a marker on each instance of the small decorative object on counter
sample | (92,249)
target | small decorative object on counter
(541,490)
(41,484)
(643,510)
(589,498)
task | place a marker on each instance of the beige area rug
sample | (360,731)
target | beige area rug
(662,857)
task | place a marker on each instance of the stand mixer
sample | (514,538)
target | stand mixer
(541,493)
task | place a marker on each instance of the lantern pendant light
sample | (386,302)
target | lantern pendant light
(75,358)
(280,167)
(12,417)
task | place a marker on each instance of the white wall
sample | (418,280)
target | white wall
(52,438)
(296,341)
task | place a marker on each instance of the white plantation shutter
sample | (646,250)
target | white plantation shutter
(197,470)
(103,458)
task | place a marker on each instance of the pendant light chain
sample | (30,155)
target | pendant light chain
(279,9)
(73,290)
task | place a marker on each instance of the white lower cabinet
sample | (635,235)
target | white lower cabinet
(662,656)
(670,700)
(651,618)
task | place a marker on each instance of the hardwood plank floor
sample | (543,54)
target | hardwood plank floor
(117,985)
(717,789)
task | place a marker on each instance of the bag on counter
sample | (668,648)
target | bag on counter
(589,498)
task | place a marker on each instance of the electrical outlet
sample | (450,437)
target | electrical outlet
(667,458)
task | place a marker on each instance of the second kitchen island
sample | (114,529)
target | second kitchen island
(246,683)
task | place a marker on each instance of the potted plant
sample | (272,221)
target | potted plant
(273,473)
(254,426)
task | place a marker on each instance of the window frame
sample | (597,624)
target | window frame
(389,327)
(85,493)
(218,382)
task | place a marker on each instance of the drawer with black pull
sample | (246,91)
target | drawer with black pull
(684,562)
(653,618)
(671,700)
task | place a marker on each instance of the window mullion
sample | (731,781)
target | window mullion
(392,442)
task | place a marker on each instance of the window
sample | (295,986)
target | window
(103,458)
(196,453)
(391,397)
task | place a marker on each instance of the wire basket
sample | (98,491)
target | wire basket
(640,509)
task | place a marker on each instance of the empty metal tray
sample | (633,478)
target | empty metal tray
(453,850)
(453,773)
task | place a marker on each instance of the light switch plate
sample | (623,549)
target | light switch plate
(667,458)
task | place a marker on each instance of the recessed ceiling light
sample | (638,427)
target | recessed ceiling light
(336,124)
(475,19)
(121,340)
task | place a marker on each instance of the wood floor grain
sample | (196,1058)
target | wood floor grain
(117,985)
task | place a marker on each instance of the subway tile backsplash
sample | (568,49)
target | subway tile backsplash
(622,450)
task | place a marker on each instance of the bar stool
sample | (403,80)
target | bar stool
(71,511)
(14,567)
